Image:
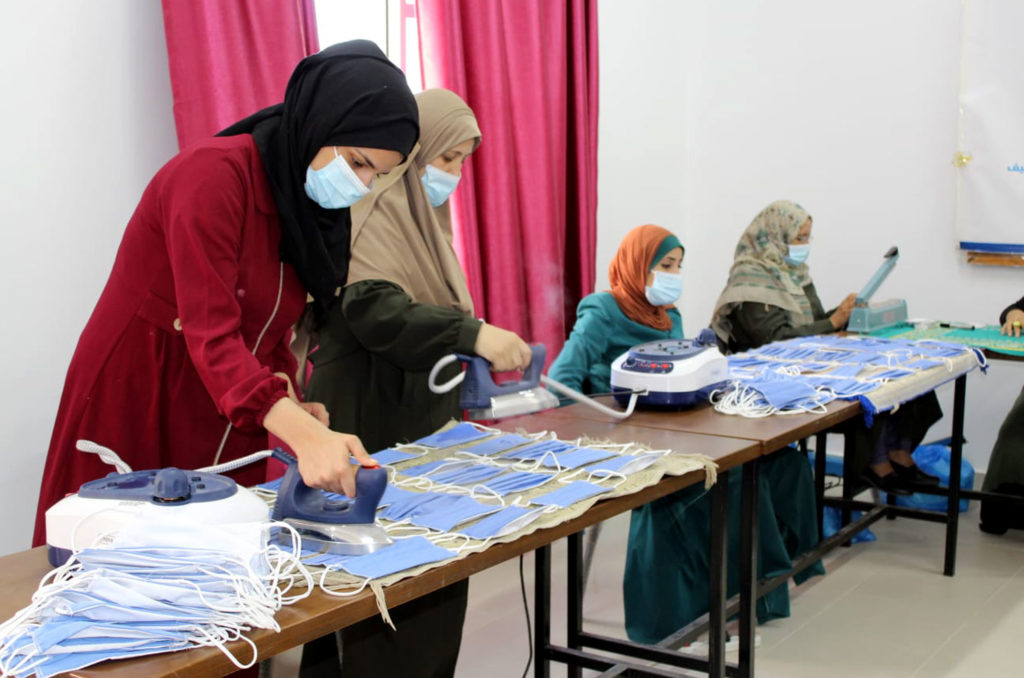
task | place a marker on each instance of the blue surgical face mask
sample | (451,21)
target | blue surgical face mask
(495,445)
(567,495)
(335,185)
(506,521)
(401,555)
(576,457)
(457,435)
(797,254)
(666,288)
(439,185)
(537,450)
(516,481)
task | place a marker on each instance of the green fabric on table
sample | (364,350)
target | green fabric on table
(987,337)
(665,585)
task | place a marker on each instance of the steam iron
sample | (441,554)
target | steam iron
(484,399)
(105,505)
(343,526)
(869,316)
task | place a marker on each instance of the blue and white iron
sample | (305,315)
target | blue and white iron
(342,526)
(484,399)
(104,505)
(670,372)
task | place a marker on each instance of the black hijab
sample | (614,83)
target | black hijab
(348,94)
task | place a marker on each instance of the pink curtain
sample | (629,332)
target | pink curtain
(229,59)
(525,212)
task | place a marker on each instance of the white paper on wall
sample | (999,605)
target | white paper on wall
(990,178)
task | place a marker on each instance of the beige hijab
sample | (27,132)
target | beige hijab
(396,235)
(759,272)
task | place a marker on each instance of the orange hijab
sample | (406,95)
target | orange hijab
(628,276)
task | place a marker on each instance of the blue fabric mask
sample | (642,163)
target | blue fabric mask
(495,445)
(623,463)
(335,185)
(465,475)
(390,456)
(439,185)
(506,521)
(783,393)
(537,450)
(402,555)
(516,481)
(797,254)
(568,495)
(576,457)
(456,435)
(666,288)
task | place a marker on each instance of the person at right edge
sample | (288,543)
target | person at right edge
(1006,466)
(770,296)
(405,306)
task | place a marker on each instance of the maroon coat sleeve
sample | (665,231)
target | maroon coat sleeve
(203,212)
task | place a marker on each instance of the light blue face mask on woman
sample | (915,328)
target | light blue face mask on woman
(666,288)
(797,254)
(335,185)
(439,185)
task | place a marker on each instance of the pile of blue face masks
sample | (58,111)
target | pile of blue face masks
(805,373)
(155,588)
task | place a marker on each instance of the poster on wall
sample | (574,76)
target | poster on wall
(990,161)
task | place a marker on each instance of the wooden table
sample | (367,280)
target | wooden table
(319,614)
(763,436)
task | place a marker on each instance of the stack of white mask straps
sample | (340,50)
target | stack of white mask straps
(805,374)
(156,586)
(459,491)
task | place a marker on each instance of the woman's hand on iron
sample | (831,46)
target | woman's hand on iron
(323,454)
(503,349)
(326,465)
(841,315)
(1014,320)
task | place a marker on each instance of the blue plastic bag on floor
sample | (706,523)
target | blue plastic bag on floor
(935,459)
(832,522)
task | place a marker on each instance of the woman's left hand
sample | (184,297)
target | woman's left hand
(1014,320)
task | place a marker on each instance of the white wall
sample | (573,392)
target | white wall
(709,111)
(86,122)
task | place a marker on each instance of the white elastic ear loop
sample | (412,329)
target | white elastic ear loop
(484,492)
(340,592)
(451,383)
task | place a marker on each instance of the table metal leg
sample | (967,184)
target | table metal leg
(820,443)
(717,570)
(748,567)
(574,599)
(955,463)
(541,612)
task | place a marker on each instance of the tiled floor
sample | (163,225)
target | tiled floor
(884,610)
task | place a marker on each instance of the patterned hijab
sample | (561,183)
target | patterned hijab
(637,254)
(759,272)
(396,234)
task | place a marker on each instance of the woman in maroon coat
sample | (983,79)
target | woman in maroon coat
(185,359)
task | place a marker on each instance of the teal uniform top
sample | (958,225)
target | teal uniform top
(601,334)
